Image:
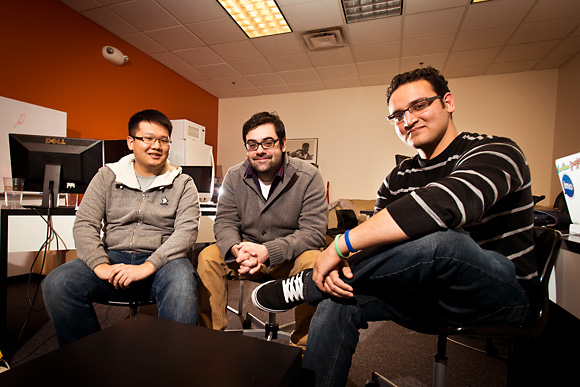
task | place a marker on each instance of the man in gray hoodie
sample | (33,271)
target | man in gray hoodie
(133,229)
(271,220)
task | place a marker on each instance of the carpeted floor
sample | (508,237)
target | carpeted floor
(404,356)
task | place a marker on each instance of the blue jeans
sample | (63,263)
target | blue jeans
(70,290)
(442,279)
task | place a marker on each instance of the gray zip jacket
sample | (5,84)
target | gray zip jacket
(163,220)
(291,221)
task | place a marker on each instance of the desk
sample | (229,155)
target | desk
(5,215)
(147,351)
(566,285)
(34,240)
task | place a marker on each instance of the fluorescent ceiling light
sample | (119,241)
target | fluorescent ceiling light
(478,1)
(361,10)
(257,17)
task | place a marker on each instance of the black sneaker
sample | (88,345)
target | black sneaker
(280,295)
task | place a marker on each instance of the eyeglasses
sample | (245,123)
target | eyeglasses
(419,106)
(151,140)
(266,144)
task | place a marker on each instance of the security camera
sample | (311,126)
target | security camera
(114,55)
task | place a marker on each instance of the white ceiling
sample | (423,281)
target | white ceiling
(198,40)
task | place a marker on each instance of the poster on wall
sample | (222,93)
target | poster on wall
(303,148)
(26,118)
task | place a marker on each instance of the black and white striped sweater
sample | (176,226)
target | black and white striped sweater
(479,183)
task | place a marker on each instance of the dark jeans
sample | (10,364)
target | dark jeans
(70,290)
(442,279)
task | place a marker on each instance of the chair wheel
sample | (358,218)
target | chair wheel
(246,324)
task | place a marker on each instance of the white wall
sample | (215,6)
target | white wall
(356,144)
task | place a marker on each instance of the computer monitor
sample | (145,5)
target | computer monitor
(115,150)
(54,164)
(203,178)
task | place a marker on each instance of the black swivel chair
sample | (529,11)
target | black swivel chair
(346,219)
(132,305)
(547,246)
(270,330)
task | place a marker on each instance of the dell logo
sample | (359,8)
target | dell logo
(567,186)
(59,141)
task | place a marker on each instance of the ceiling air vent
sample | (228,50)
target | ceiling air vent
(322,40)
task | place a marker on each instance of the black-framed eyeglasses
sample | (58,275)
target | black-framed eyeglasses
(266,144)
(419,106)
(151,140)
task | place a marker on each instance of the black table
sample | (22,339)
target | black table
(147,351)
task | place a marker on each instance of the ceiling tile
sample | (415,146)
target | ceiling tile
(237,51)
(492,37)
(342,83)
(410,63)
(81,5)
(303,87)
(191,73)
(526,51)
(256,66)
(234,83)
(331,57)
(300,76)
(375,31)
(552,62)
(262,80)
(221,70)
(175,38)
(312,15)
(469,58)
(279,45)
(567,47)
(193,11)
(427,45)
(554,9)
(544,30)
(433,23)
(275,89)
(376,52)
(382,67)
(144,14)
(494,14)
(171,60)
(417,6)
(512,67)
(222,30)
(337,72)
(200,56)
(144,43)
(291,62)
(462,72)
(111,22)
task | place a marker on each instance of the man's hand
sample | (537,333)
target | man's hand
(326,274)
(250,256)
(121,276)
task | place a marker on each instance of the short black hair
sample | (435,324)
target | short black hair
(149,115)
(430,74)
(264,118)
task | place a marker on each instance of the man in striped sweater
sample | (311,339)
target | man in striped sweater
(450,243)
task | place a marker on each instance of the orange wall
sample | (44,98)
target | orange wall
(50,56)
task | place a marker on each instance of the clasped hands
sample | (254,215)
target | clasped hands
(121,276)
(250,256)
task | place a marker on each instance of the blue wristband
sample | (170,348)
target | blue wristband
(337,248)
(347,240)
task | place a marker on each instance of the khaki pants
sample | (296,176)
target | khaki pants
(213,293)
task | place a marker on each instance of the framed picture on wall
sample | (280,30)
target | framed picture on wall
(303,148)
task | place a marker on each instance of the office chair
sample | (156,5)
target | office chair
(270,330)
(346,219)
(132,305)
(547,245)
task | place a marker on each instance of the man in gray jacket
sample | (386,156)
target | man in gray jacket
(148,214)
(271,221)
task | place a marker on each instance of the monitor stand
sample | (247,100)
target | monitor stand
(50,187)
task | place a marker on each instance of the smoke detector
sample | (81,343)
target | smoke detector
(322,40)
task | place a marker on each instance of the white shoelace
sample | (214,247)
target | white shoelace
(293,289)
